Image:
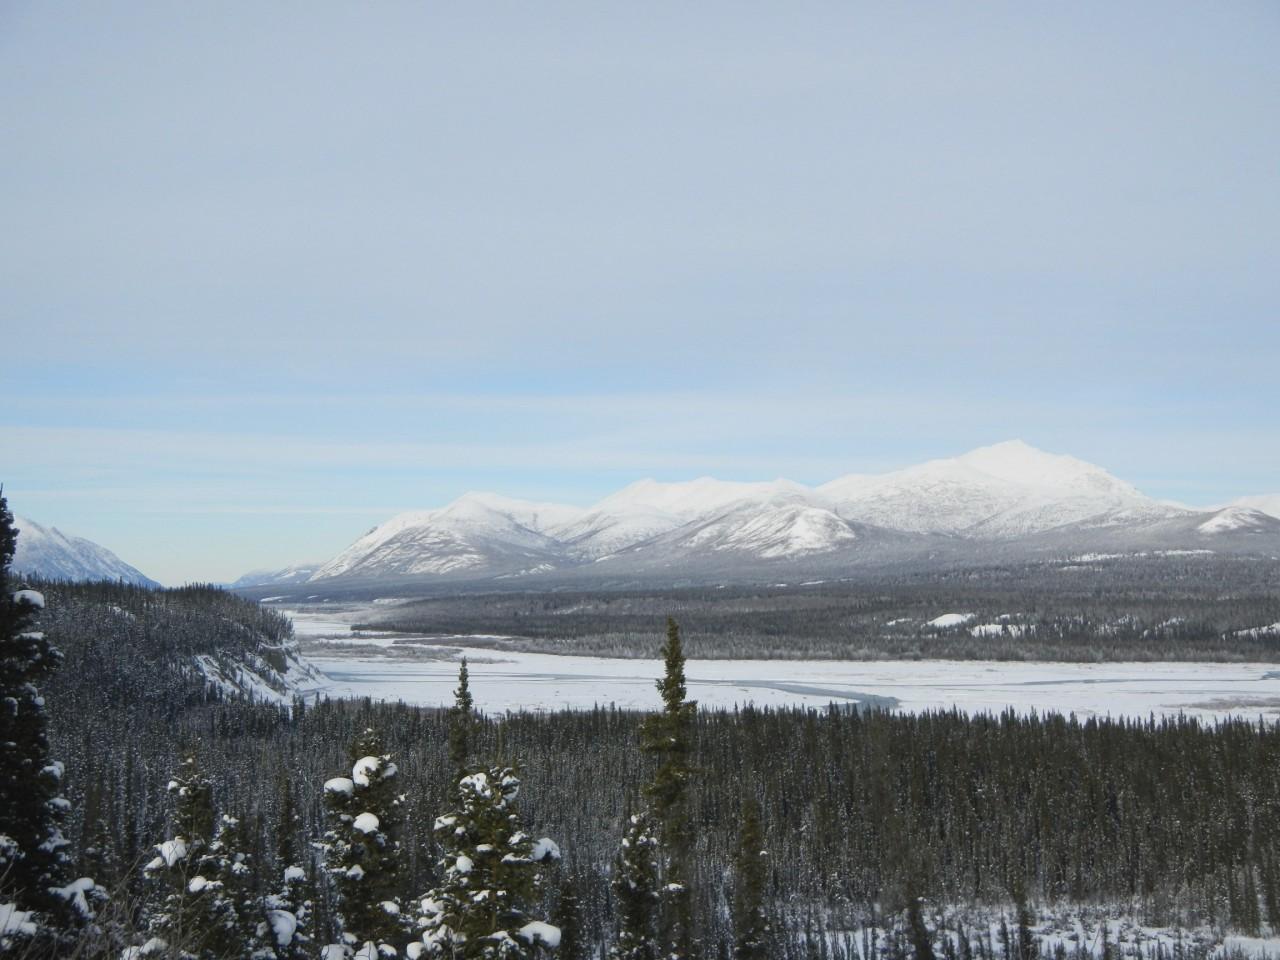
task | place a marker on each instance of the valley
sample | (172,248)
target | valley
(423,671)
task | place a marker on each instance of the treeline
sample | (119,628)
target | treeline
(1167,608)
(1176,815)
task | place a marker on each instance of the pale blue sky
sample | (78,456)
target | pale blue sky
(272,272)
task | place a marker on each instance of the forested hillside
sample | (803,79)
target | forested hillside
(129,648)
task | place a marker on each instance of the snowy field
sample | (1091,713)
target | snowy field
(384,666)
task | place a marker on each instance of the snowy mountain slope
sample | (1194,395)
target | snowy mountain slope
(692,498)
(1243,520)
(1230,530)
(648,508)
(777,527)
(600,533)
(995,502)
(1267,503)
(1003,491)
(477,533)
(48,552)
(286,576)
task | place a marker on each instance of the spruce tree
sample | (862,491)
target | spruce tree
(193,917)
(635,889)
(490,869)
(917,930)
(33,851)
(461,721)
(290,910)
(668,735)
(288,925)
(362,846)
(751,931)
(568,919)
(99,853)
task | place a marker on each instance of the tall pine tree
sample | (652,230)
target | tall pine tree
(668,735)
(461,722)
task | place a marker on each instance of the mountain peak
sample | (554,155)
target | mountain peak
(48,552)
(1017,462)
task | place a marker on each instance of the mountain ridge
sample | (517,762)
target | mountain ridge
(996,500)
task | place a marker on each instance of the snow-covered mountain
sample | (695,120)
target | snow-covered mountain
(1267,503)
(286,576)
(1238,520)
(477,533)
(1003,491)
(48,552)
(997,501)
(647,509)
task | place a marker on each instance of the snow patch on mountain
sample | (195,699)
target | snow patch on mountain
(949,620)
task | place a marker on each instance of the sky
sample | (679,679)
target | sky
(271,273)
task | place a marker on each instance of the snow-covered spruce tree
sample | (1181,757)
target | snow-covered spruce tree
(490,871)
(635,889)
(228,867)
(287,928)
(362,848)
(289,912)
(33,852)
(668,735)
(752,936)
(192,917)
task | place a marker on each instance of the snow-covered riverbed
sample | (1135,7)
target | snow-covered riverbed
(510,680)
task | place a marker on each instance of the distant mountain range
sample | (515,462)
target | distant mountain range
(48,552)
(1004,501)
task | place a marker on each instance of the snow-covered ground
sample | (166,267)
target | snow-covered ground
(384,666)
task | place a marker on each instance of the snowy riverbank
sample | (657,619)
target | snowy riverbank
(388,667)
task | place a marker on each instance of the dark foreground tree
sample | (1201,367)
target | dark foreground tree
(635,890)
(668,736)
(751,931)
(568,918)
(33,854)
(461,720)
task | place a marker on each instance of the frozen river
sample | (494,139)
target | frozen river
(379,666)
